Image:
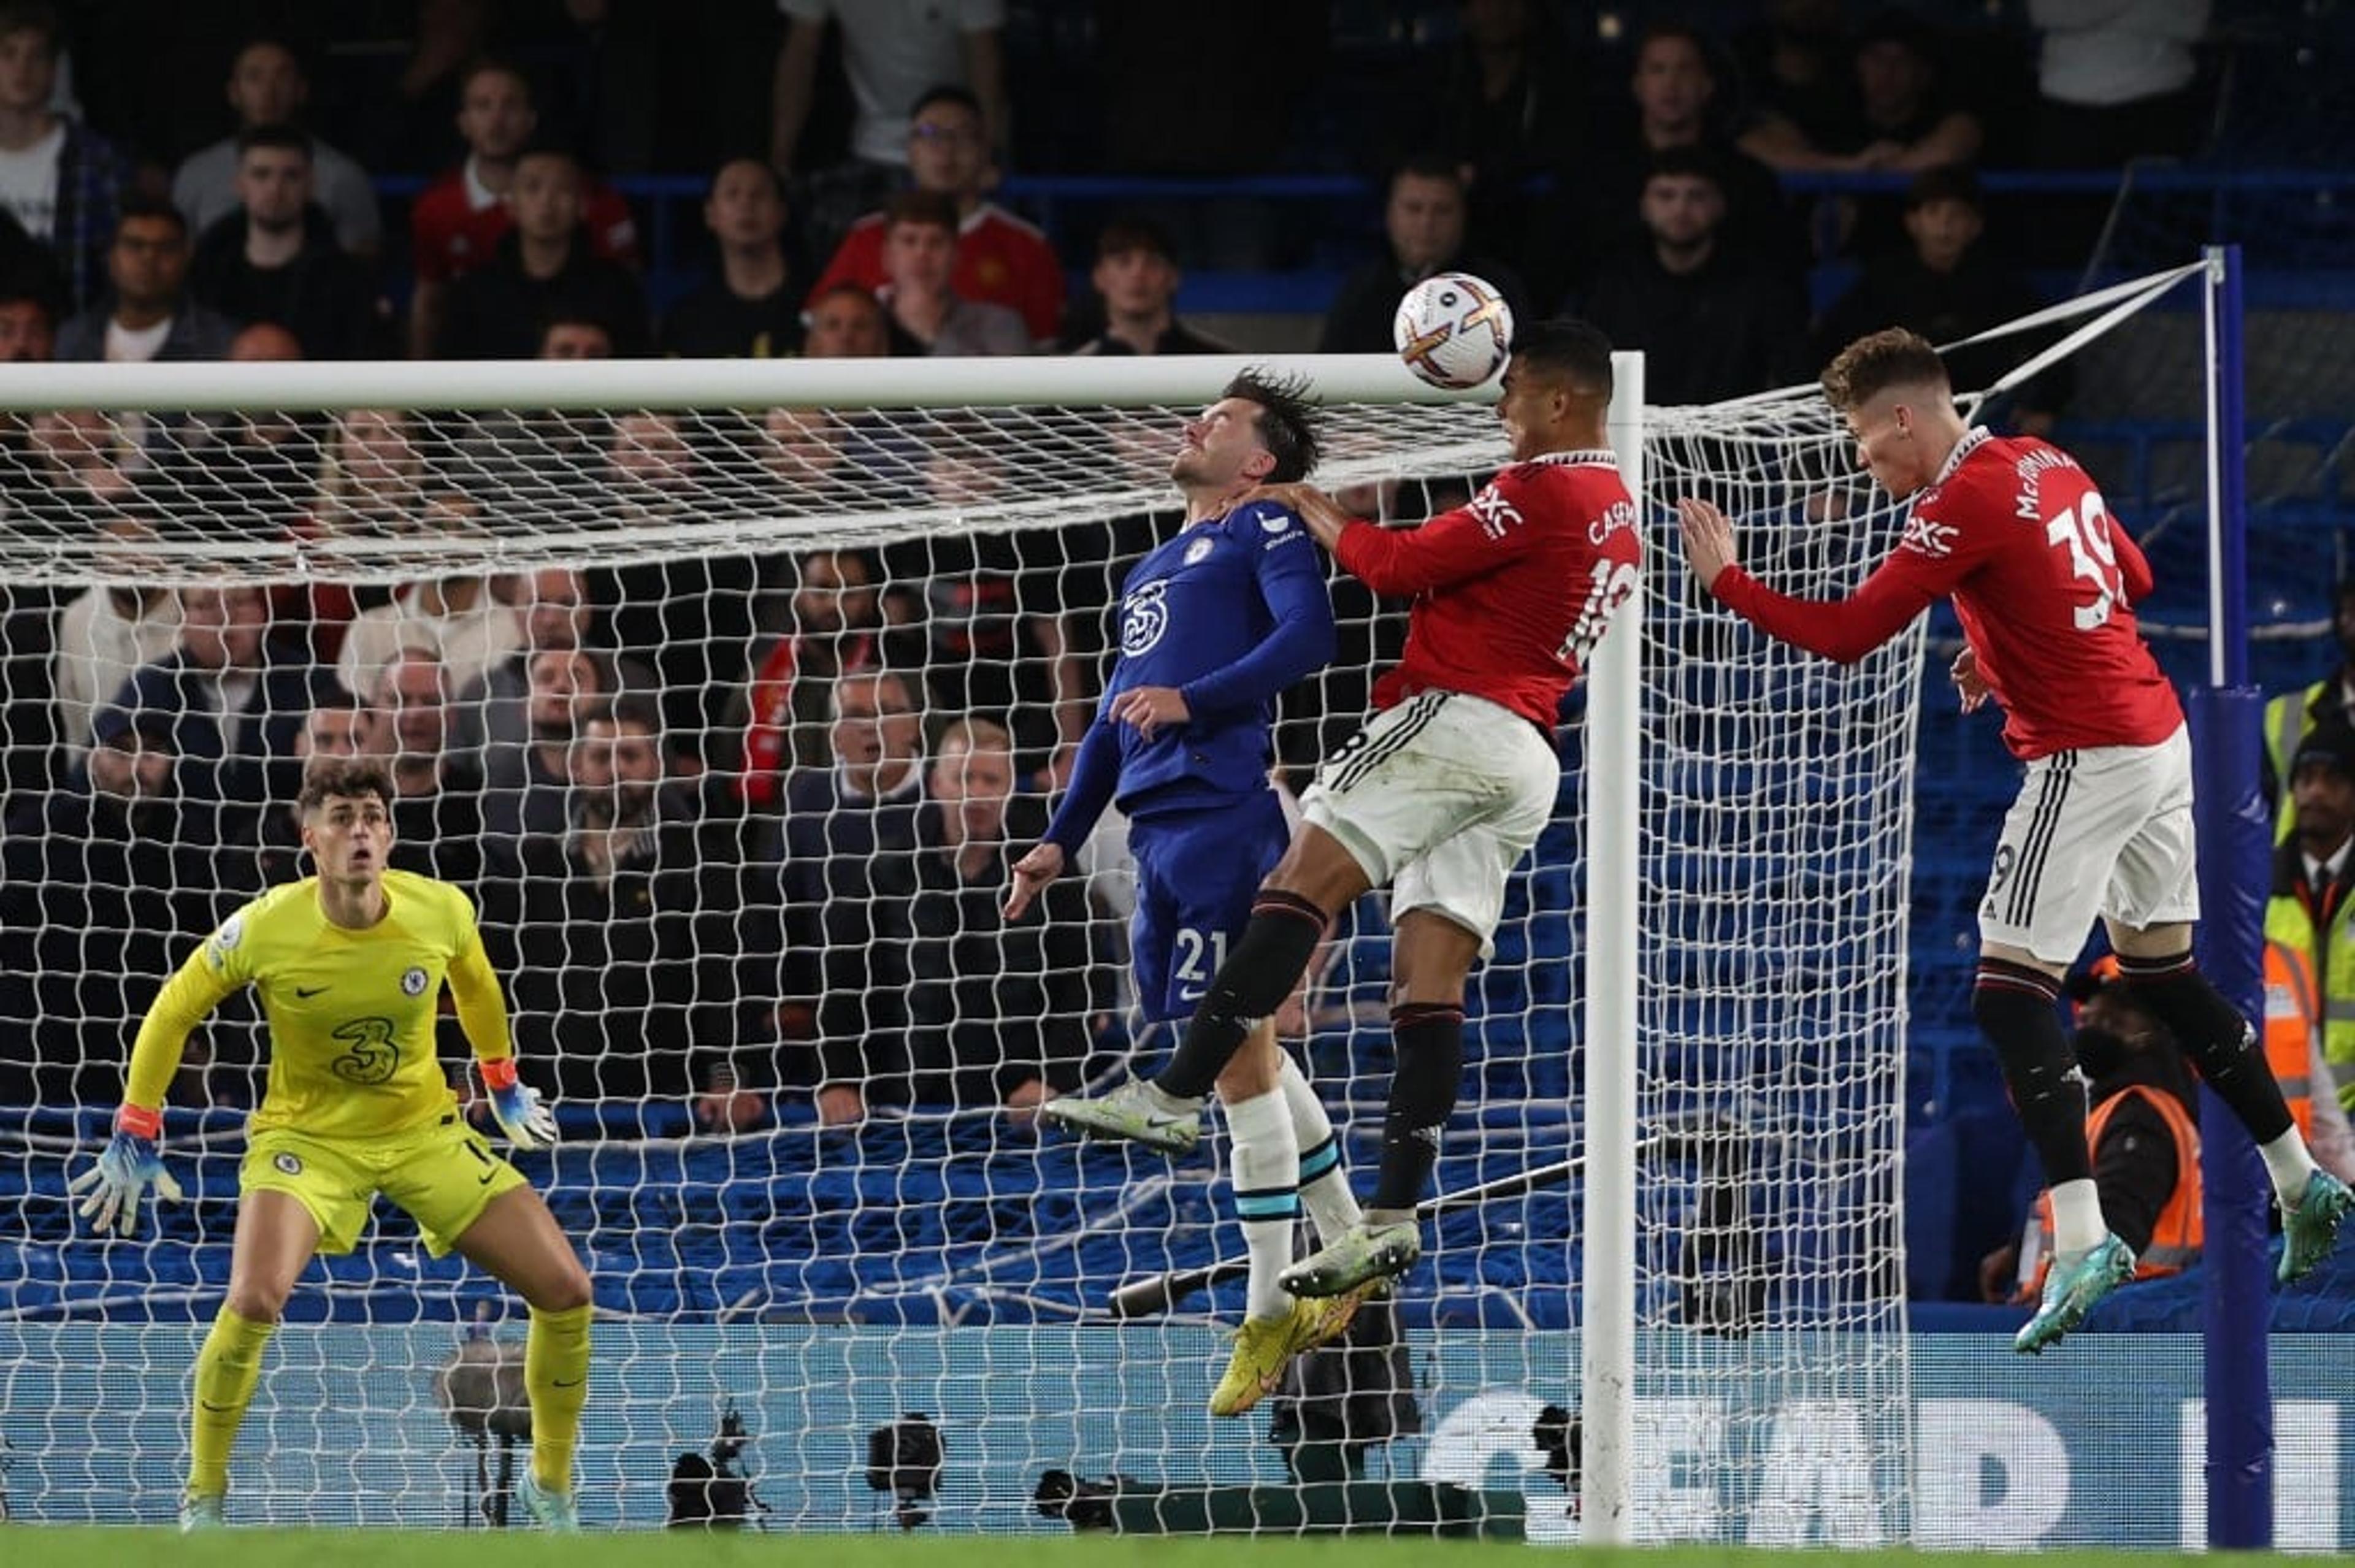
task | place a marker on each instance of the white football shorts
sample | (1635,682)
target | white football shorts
(1439,796)
(2100,832)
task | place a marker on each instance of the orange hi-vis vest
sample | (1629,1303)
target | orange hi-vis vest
(2175,1240)
(2292,1014)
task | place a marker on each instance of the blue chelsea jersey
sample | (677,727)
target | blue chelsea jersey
(1230,613)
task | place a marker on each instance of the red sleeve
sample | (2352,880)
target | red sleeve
(1843,630)
(858,260)
(1042,294)
(2133,565)
(1450,548)
(613,228)
(429,236)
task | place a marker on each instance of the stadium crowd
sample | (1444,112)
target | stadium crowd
(742,829)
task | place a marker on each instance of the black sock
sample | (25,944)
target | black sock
(2017,1010)
(1429,1040)
(2215,1036)
(1258,975)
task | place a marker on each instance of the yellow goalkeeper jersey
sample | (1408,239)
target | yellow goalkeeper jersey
(351,1013)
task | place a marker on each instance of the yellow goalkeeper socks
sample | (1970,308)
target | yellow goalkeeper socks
(227,1368)
(556,1379)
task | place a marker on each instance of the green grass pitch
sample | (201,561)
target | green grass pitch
(38,1546)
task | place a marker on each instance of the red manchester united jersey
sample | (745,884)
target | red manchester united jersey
(2043,579)
(1511,590)
(1000,259)
(449,236)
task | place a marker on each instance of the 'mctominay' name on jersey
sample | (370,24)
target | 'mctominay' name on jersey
(1230,613)
(2043,581)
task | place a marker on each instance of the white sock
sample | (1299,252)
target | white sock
(1265,1159)
(1324,1185)
(2289,1163)
(2077,1222)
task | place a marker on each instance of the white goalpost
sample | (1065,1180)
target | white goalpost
(1698,992)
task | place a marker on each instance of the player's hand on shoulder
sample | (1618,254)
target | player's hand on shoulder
(1042,865)
(1708,539)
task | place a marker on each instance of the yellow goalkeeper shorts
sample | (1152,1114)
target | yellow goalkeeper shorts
(443,1174)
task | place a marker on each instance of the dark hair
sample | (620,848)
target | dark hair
(481,64)
(1428,166)
(1566,349)
(1878,361)
(33,16)
(1704,44)
(1287,421)
(286,138)
(633,710)
(1684,163)
(850,286)
(1947,182)
(776,180)
(544,145)
(936,207)
(563,311)
(139,205)
(325,778)
(1135,231)
(947,92)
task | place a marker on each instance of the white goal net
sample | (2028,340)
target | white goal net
(667,657)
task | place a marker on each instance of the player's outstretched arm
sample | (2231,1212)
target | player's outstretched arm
(126,1168)
(1041,866)
(483,1013)
(131,1162)
(1709,540)
(1844,630)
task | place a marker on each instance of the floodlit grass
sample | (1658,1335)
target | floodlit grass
(38,1546)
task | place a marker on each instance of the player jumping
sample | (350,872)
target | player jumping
(1445,788)
(1215,624)
(350,965)
(2013,530)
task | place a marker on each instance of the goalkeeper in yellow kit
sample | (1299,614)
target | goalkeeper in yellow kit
(350,965)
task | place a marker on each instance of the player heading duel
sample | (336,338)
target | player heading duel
(1445,788)
(350,965)
(1216,622)
(2013,530)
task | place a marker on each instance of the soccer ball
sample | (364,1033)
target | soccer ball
(1454,330)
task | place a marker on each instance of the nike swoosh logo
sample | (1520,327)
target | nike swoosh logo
(559,1382)
(307,993)
(216,1409)
(484,1180)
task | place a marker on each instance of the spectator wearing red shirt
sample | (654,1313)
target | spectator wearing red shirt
(544,267)
(460,218)
(1000,259)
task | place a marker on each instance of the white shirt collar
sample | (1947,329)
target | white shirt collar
(2318,870)
(478,195)
(1963,448)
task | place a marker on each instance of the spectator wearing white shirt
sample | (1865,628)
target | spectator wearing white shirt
(2114,78)
(267,87)
(461,619)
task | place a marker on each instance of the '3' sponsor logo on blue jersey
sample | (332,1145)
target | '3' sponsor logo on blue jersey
(1144,617)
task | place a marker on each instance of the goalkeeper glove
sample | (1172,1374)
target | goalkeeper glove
(124,1172)
(527,1123)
